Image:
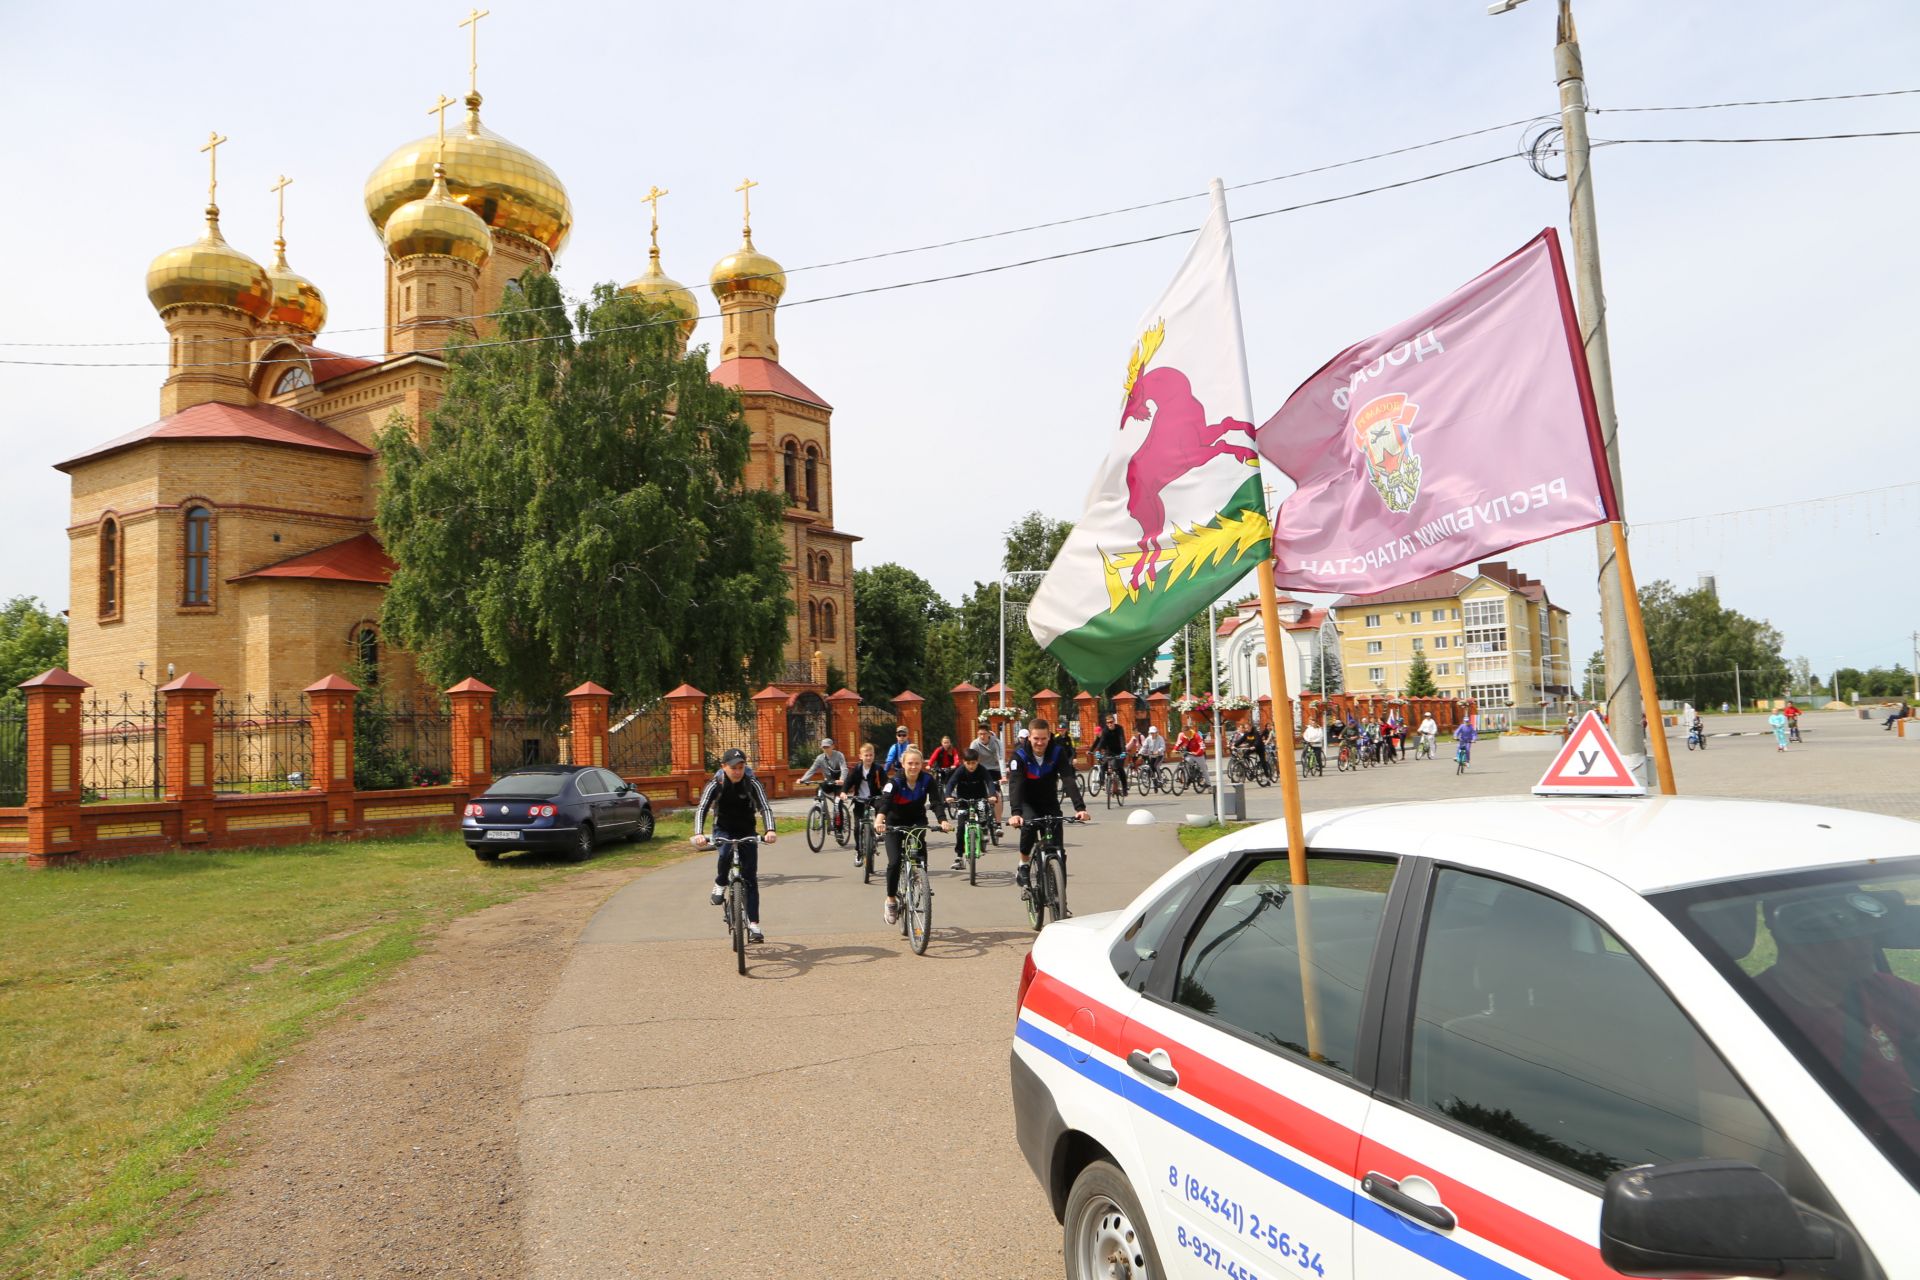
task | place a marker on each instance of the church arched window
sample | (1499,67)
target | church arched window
(826,619)
(366,651)
(109,568)
(813,478)
(813,617)
(196,585)
(826,569)
(292,380)
(790,461)
(813,569)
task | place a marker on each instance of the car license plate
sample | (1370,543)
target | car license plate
(503,835)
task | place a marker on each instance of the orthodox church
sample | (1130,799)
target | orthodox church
(234,535)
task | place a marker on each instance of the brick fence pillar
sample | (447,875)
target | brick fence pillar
(330,713)
(770,738)
(1086,709)
(966,709)
(53,765)
(687,732)
(472,735)
(1127,707)
(1046,705)
(589,704)
(190,711)
(1263,706)
(843,720)
(998,695)
(906,710)
(1158,705)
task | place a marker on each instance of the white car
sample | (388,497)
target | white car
(1538,1037)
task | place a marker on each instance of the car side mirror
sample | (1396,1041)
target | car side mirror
(1717,1218)
(625,789)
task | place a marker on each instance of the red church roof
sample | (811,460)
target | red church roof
(757,373)
(358,559)
(258,424)
(328,365)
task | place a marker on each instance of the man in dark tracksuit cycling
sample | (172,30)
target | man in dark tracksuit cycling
(740,812)
(1037,771)
(1111,748)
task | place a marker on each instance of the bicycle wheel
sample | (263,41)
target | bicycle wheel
(1055,872)
(842,824)
(973,853)
(816,828)
(867,842)
(919,909)
(1163,779)
(737,921)
(1177,780)
(1036,909)
(1236,772)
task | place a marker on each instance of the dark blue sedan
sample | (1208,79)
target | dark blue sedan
(566,808)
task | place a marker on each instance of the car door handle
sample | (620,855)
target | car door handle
(1388,1192)
(1152,1070)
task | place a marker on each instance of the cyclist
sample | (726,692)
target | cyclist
(1039,770)
(740,811)
(1314,739)
(1153,751)
(987,745)
(898,749)
(1793,722)
(1135,746)
(904,800)
(944,759)
(1429,731)
(864,783)
(970,781)
(1112,746)
(1465,736)
(1191,746)
(830,765)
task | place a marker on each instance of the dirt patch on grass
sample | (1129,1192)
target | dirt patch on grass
(385,1145)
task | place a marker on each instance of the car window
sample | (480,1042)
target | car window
(1242,964)
(1536,1027)
(606,780)
(1139,943)
(592,782)
(527,786)
(1830,959)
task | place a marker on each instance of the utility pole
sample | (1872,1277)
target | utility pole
(1916,666)
(1737,704)
(1625,705)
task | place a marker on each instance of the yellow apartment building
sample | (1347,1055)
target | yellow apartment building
(1493,636)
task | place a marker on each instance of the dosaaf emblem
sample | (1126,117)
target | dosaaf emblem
(1383,433)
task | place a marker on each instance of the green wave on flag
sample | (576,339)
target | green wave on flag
(1205,561)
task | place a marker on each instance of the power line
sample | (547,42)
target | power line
(1761,102)
(1799,137)
(829,297)
(1776,506)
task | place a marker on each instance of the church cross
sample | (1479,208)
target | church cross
(440,130)
(213,156)
(472,22)
(746,202)
(279,190)
(653,198)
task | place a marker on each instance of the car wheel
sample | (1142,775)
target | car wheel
(582,848)
(1106,1233)
(487,855)
(643,829)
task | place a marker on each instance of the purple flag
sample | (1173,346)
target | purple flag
(1465,431)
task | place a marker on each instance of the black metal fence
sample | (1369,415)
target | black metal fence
(528,733)
(402,743)
(731,722)
(261,744)
(640,741)
(876,726)
(13,756)
(123,748)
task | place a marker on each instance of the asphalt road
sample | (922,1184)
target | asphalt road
(842,1110)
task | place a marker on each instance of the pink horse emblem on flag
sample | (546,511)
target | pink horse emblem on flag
(1179,440)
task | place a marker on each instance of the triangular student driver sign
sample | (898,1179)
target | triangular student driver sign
(1589,765)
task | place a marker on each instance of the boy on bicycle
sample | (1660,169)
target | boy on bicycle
(904,800)
(830,765)
(969,782)
(1039,770)
(864,783)
(740,812)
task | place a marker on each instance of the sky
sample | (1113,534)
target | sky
(1760,296)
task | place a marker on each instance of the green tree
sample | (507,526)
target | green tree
(1698,645)
(1420,677)
(1593,680)
(895,614)
(1326,677)
(1874,682)
(32,639)
(576,510)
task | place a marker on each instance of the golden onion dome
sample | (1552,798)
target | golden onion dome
(655,285)
(510,188)
(747,270)
(209,273)
(437,225)
(297,301)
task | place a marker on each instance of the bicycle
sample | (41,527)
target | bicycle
(976,816)
(1423,750)
(1046,891)
(1461,751)
(1313,761)
(1112,771)
(864,839)
(916,888)
(733,903)
(829,811)
(1192,773)
(1346,761)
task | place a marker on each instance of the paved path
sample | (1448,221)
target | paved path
(842,1111)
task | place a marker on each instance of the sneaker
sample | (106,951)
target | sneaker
(891,913)
(859,859)
(717,896)
(959,863)
(754,934)
(1020,877)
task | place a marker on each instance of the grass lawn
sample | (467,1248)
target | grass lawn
(1193,838)
(139,999)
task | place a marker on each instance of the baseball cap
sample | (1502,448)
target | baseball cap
(733,755)
(826,742)
(901,732)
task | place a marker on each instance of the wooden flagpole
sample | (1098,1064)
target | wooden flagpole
(1643,662)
